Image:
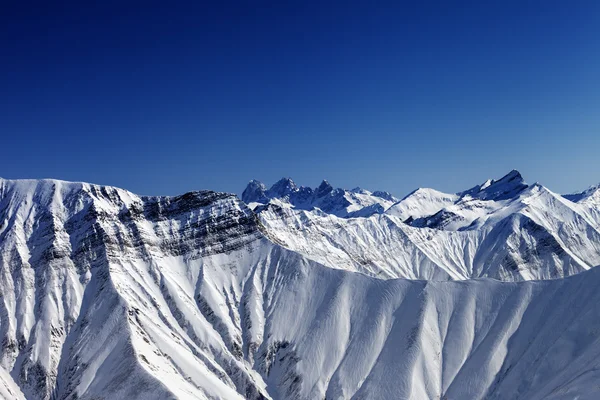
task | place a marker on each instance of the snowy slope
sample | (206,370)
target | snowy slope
(433,209)
(421,203)
(502,229)
(8,388)
(588,196)
(588,202)
(344,335)
(77,261)
(342,203)
(109,295)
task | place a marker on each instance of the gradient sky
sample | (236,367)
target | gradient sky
(167,97)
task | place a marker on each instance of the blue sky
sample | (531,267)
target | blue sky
(167,97)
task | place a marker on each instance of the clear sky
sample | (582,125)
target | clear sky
(166,97)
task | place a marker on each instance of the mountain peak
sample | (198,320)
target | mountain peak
(384,195)
(323,189)
(340,202)
(504,188)
(282,188)
(285,181)
(513,175)
(255,192)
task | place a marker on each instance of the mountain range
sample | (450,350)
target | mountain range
(299,293)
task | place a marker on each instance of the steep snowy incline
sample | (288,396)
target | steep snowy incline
(341,335)
(588,196)
(379,246)
(315,332)
(342,203)
(589,202)
(69,254)
(8,388)
(421,203)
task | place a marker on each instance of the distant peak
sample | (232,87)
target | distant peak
(282,187)
(512,175)
(340,202)
(384,195)
(418,192)
(359,190)
(323,189)
(285,180)
(325,183)
(254,192)
(506,187)
(255,183)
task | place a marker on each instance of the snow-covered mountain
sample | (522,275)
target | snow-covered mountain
(421,203)
(340,202)
(501,229)
(430,208)
(108,295)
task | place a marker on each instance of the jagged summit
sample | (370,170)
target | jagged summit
(283,187)
(323,189)
(340,202)
(501,228)
(506,187)
(358,202)
(255,191)
(512,175)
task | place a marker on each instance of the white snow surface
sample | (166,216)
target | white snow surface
(421,203)
(8,388)
(108,295)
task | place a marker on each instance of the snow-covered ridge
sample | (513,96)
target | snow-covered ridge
(470,209)
(77,264)
(340,202)
(421,203)
(588,196)
(106,294)
(433,209)
(503,229)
